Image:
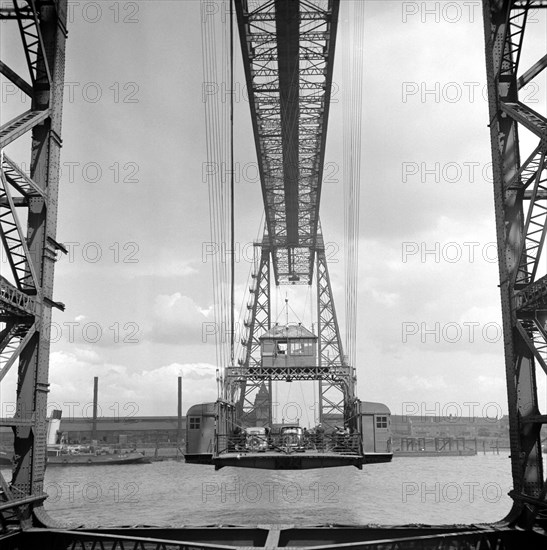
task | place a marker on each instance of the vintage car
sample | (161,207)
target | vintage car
(292,439)
(256,439)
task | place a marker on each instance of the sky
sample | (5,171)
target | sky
(134,210)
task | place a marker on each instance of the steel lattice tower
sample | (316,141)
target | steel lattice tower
(26,301)
(336,379)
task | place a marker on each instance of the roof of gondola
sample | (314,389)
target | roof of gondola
(288,331)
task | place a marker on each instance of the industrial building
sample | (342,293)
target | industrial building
(142,431)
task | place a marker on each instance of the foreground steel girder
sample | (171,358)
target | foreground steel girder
(521,220)
(486,537)
(25,303)
(288,54)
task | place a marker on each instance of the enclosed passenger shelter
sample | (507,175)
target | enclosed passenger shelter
(207,429)
(288,346)
(375,427)
(200,433)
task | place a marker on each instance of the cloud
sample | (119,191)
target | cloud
(492,382)
(87,355)
(415,382)
(177,319)
(436,292)
(385,298)
(162,266)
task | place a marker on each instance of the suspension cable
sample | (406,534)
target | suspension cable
(217,140)
(352,114)
(232,202)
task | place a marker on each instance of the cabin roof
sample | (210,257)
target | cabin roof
(288,331)
(370,407)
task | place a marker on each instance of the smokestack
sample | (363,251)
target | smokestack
(179,419)
(53,427)
(95,400)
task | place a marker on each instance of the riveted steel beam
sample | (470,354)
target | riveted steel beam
(26,301)
(521,221)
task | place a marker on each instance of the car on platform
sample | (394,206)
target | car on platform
(256,439)
(292,439)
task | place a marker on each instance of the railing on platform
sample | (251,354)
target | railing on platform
(344,444)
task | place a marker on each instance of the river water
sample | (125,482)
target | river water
(431,490)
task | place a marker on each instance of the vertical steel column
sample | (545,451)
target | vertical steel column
(520,235)
(46,60)
(336,394)
(240,378)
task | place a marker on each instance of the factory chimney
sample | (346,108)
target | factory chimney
(179,418)
(95,400)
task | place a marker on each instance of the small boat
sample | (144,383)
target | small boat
(65,455)
(61,453)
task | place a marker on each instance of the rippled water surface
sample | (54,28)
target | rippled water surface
(409,490)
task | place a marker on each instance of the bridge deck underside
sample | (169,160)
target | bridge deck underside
(273,460)
(288,53)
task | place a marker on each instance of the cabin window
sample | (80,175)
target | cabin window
(194,423)
(381,421)
(268,347)
(302,347)
(296,348)
(282,347)
(307,347)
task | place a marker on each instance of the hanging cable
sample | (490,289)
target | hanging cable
(307,297)
(217,138)
(232,202)
(352,116)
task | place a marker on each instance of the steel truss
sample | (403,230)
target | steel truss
(336,379)
(288,54)
(242,389)
(520,191)
(26,301)
(337,392)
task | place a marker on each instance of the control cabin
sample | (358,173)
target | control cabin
(288,346)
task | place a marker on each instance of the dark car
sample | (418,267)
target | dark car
(256,439)
(292,439)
